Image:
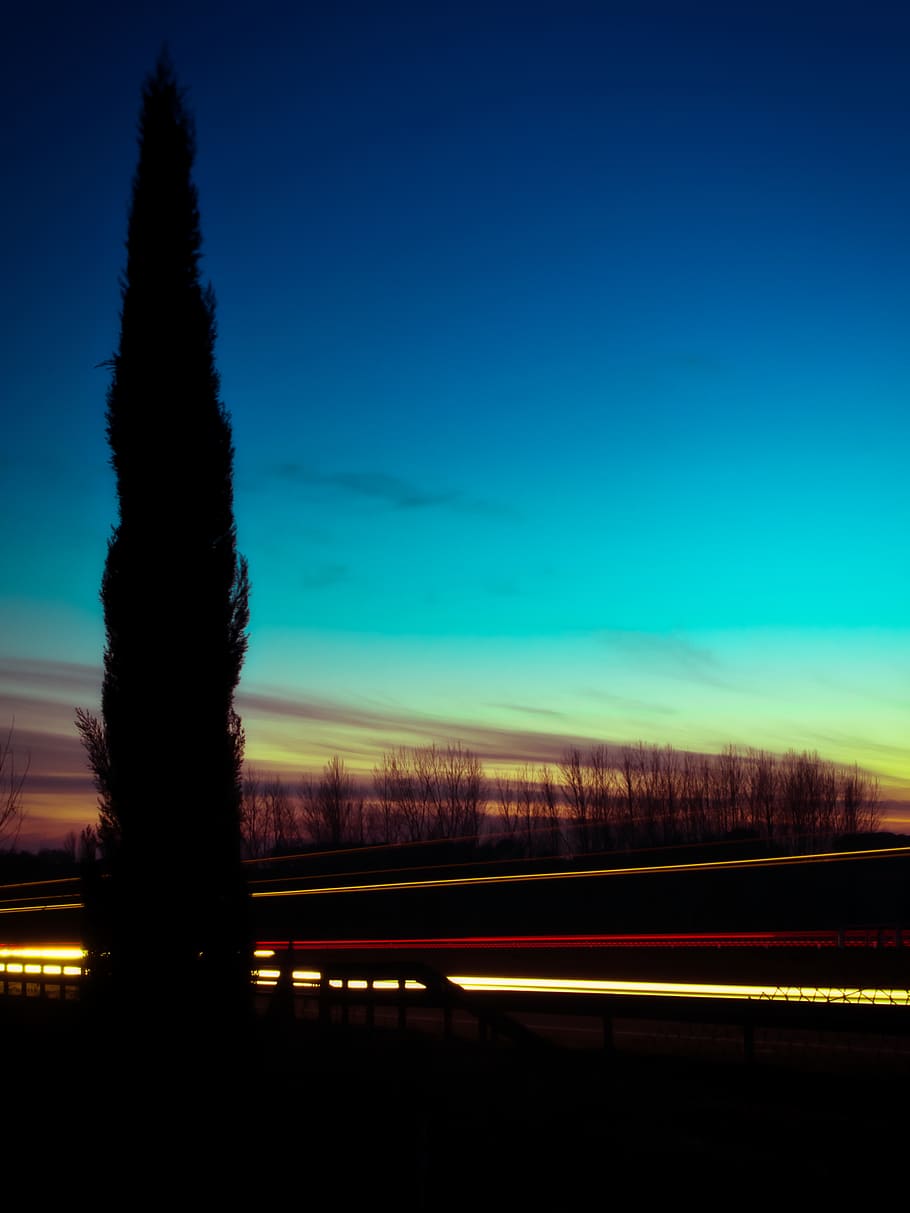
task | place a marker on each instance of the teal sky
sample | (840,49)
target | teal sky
(566,350)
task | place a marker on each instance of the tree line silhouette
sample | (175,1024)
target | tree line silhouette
(592,800)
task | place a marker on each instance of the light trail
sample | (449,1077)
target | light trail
(50,961)
(35,902)
(449,865)
(47,960)
(476,984)
(851,937)
(843,995)
(661,989)
(37,884)
(717,865)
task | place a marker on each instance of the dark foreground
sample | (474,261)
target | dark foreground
(300,1115)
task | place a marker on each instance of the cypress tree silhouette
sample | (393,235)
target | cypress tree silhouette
(167,754)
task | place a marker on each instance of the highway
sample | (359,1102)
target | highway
(865,963)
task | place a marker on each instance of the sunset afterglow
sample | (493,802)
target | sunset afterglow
(566,355)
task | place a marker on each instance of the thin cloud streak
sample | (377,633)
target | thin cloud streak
(394,491)
(59,678)
(670,655)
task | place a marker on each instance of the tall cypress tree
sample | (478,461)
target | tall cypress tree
(167,755)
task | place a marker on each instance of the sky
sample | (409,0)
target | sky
(566,349)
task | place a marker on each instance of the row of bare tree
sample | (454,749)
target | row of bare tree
(655,794)
(417,794)
(595,799)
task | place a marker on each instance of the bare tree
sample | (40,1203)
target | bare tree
(730,772)
(252,816)
(395,784)
(628,768)
(508,793)
(448,791)
(332,814)
(761,791)
(280,818)
(601,794)
(462,786)
(859,801)
(576,792)
(12,781)
(531,811)
(69,846)
(550,798)
(89,845)
(669,784)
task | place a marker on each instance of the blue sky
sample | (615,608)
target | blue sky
(566,350)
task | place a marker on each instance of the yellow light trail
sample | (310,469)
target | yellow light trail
(449,865)
(653,869)
(50,952)
(655,989)
(37,960)
(39,884)
(675,989)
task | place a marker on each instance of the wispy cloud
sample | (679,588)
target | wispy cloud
(29,676)
(628,703)
(394,491)
(324,575)
(379,486)
(382,728)
(859,744)
(669,654)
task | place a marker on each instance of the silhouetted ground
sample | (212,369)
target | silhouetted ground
(347,1120)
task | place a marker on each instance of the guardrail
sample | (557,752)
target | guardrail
(53,974)
(495,1005)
